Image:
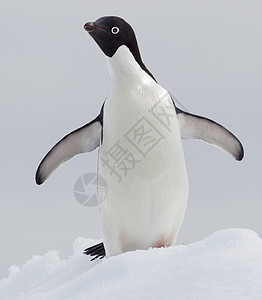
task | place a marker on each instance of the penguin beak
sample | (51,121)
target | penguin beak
(90,27)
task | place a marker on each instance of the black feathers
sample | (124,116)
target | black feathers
(97,250)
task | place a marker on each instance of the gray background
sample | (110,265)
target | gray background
(54,79)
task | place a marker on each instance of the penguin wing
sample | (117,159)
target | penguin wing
(196,127)
(83,139)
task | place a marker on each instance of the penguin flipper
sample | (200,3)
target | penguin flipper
(196,127)
(97,251)
(83,139)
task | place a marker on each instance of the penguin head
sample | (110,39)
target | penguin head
(112,32)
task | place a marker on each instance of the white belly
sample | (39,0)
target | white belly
(142,162)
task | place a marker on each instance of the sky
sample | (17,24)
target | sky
(55,79)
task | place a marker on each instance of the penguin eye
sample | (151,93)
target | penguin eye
(115,30)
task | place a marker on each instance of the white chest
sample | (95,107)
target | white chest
(139,118)
(141,160)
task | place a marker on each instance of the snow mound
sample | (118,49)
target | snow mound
(226,265)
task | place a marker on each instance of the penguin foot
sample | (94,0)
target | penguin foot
(98,251)
(163,243)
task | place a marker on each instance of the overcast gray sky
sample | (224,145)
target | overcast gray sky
(54,79)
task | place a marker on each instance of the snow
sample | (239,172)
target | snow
(226,265)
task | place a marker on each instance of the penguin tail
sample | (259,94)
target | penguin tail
(98,251)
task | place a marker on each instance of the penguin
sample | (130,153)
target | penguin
(139,133)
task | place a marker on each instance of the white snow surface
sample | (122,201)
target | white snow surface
(226,265)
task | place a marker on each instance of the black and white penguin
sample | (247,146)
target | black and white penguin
(138,132)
